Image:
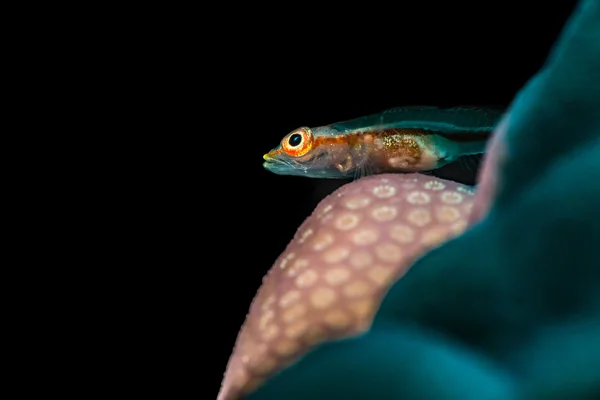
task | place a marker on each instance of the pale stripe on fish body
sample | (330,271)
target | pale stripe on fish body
(406,139)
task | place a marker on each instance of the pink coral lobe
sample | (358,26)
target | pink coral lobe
(329,281)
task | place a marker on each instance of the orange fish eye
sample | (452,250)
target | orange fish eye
(298,142)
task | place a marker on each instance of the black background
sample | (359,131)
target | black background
(282,72)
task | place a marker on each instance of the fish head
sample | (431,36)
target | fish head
(303,152)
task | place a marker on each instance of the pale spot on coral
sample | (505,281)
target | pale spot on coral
(322,297)
(434,236)
(305,235)
(337,276)
(324,210)
(322,241)
(357,202)
(381,275)
(306,279)
(447,214)
(449,197)
(283,263)
(293,313)
(269,332)
(459,227)
(247,345)
(337,319)
(335,254)
(419,217)
(265,319)
(296,329)
(268,303)
(325,220)
(465,190)
(254,358)
(346,221)
(389,252)
(362,308)
(384,191)
(289,298)
(365,236)
(299,265)
(360,259)
(402,233)
(286,347)
(384,213)
(434,185)
(418,198)
(356,289)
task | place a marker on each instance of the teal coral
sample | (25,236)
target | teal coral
(511,309)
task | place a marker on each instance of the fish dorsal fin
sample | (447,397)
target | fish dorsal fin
(444,120)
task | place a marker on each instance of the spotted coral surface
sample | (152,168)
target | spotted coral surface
(330,279)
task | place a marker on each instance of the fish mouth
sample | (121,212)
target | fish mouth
(281,167)
(289,167)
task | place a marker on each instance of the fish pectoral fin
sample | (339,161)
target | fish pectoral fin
(346,165)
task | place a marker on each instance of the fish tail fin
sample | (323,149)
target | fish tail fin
(455,146)
(365,168)
(471,147)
